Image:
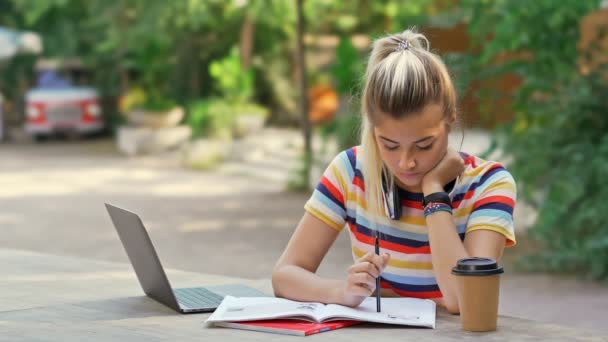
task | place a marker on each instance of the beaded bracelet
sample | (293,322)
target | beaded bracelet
(434,207)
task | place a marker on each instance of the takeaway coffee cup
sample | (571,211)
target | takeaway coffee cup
(478,284)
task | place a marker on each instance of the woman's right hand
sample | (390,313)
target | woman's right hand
(361,280)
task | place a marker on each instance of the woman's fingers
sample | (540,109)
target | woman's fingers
(362,275)
(362,278)
(365,267)
(358,290)
(367,271)
(385,259)
(359,284)
(377,260)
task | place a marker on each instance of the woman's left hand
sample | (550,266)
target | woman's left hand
(448,168)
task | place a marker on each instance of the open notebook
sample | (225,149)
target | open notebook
(402,311)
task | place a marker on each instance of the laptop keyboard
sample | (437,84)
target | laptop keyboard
(197,298)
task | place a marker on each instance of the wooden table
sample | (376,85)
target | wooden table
(51,298)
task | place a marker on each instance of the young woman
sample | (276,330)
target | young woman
(431,204)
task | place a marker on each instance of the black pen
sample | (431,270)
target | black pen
(377,246)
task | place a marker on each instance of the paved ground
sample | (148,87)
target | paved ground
(218,222)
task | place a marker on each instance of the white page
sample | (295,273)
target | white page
(254,308)
(404,311)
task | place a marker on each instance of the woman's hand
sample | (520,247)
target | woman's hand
(450,167)
(361,280)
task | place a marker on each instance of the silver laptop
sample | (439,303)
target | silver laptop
(151,274)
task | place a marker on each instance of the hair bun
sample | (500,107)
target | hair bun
(410,39)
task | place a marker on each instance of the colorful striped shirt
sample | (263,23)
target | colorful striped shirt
(482,198)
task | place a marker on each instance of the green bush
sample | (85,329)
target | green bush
(560,152)
(558,140)
(346,72)
(234,83)
(199,118)
(216,117)
(348,68)
(158,103)
(250,109)
(211,118)
(345,128)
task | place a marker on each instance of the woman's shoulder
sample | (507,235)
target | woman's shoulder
(480,171)
(347,158)
(345,165)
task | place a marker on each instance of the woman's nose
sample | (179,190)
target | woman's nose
(406,162)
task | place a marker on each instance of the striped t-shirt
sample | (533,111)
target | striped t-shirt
(482,198)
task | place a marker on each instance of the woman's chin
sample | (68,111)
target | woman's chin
(412,184)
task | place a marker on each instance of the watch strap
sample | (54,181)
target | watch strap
(437,197)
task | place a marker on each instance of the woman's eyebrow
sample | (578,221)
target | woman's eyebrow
(389,140)
(396,142)
(424,139)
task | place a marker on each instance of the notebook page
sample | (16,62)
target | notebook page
(258,308)
(404,311)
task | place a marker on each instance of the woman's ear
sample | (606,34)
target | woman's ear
(451,121)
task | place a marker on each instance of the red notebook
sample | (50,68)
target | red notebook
(288,326)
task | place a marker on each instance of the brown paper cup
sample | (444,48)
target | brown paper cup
(478,287)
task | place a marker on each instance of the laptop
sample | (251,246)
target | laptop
(151,274)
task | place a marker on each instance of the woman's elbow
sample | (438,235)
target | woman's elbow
(450,303)
(277,276)
(453,308)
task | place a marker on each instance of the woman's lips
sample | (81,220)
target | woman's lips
(409,174)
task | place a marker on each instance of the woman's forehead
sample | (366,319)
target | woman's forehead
(426,121)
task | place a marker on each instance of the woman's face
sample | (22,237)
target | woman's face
(412,146)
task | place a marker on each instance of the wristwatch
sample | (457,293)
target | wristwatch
(437,197)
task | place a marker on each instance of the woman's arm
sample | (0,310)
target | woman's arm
(446,246)
(446,249)
(294,274)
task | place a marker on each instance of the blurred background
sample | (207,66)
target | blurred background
(214,120)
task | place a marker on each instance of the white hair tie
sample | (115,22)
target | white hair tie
(403,45)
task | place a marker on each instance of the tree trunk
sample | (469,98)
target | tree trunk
(301,68)
(246,41)
(123,72)
(194,61)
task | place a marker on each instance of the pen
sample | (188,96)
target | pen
(377,247)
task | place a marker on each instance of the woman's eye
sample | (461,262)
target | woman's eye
(391,148)
(428,147)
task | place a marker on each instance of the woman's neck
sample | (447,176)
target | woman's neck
(413,189)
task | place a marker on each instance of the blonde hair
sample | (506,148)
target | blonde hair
(402,77)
